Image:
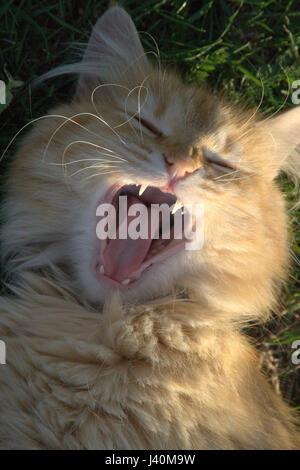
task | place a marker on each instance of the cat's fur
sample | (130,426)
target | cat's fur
(161,365)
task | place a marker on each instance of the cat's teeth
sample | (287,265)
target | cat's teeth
(142,189)
(126,282)
(177,206)
(101,269)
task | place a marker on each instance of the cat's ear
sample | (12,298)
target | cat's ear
(284,131)
(114,50)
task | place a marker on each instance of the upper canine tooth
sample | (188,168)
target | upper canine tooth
(142,189)
(177,206)
(126,282)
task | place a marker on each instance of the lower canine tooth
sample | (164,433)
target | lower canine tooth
(101,269)
(126,282)
(177,206)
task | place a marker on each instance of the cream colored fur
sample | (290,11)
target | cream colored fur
(139,378)
(162,365)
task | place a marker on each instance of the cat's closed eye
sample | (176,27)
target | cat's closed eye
(217,162)
(148,125)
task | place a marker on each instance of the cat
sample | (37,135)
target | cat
(111,345)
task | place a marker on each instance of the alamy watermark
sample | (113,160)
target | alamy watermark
(2,352)
(2,92)
(159,221)
(296,354)
(296,93)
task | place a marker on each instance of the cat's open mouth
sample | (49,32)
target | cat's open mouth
(146,231)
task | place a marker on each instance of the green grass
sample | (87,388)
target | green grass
(241,48)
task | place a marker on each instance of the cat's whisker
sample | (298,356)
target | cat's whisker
(72,162)
(250,194)
(120,149)
(110,155)
(271,115)
(104,166)
(285,101)
(101,86)
(135,114)
(157,55)
(138,113)
(110,127)
(227,179)
(187,111)
(164,76)
(244,171)
(259,104)
(135,60)
(99,174)
(224,176)
(257,172)
(142,165)
(130,118)
(38,119)
(67,120)
(108,84)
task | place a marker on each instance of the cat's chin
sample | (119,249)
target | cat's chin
(124,262)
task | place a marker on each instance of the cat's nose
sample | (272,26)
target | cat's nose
(179,168)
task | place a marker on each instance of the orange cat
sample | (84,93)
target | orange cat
(137,343)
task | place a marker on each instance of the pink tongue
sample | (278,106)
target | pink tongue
(121,258)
